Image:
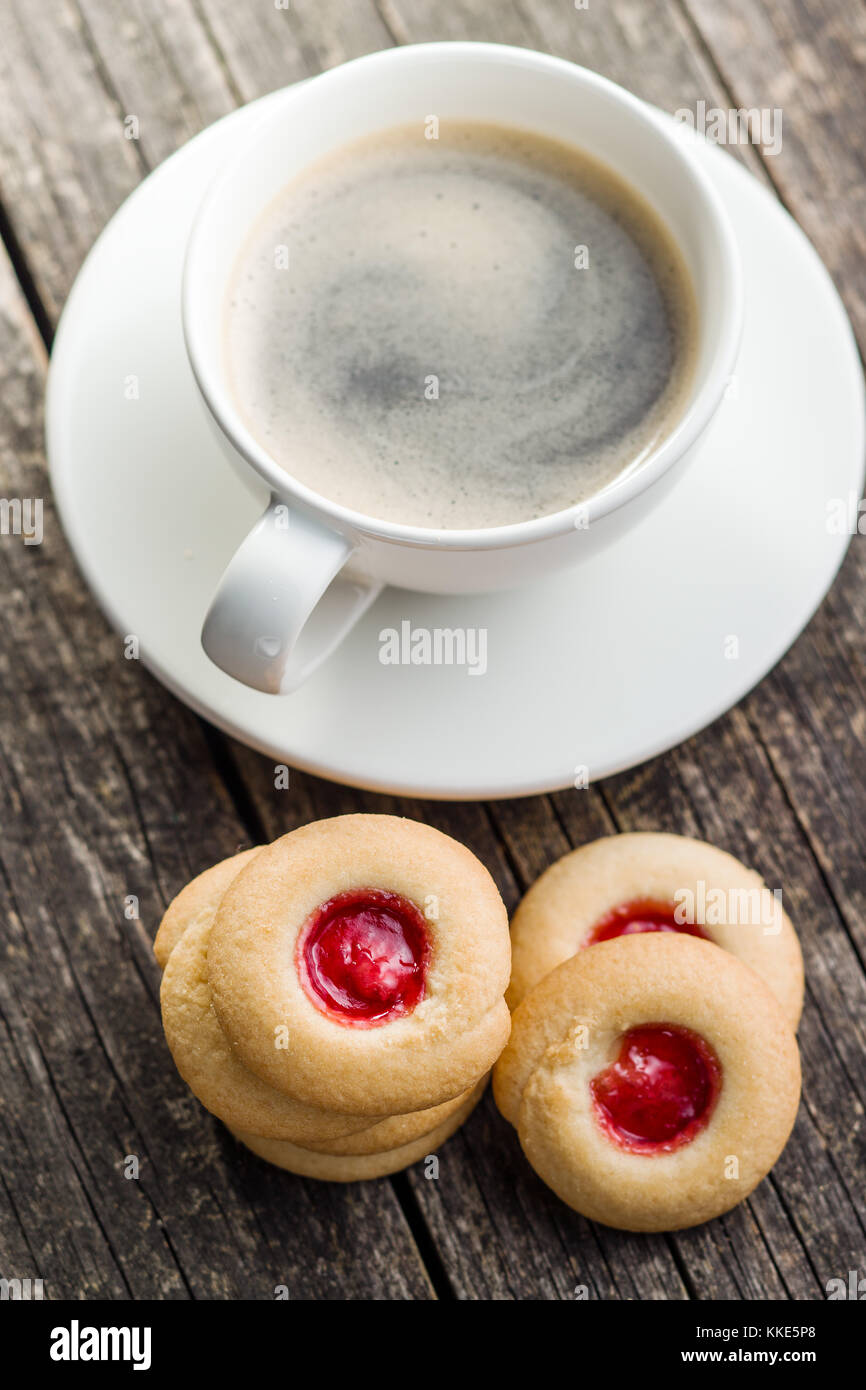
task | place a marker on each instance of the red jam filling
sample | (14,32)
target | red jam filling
(640,916)
(661,1090)
(363,955)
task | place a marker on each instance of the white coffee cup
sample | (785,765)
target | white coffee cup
(310,567)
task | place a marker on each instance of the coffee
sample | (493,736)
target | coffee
(464,331)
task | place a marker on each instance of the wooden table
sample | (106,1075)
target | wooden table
(110,788)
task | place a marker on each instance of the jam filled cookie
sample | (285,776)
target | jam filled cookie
(653,1081)
(360,964)
(357,1168)
(197,902)
(626,885)
(214,1074)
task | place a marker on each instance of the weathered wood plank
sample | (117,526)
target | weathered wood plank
(160,47)
(269,48)
(58,193)
(108,789)
(806,59)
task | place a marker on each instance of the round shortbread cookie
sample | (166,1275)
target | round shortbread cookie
(568,1038)
(398,1130)
(359,1168)
(729,902)
(210,1068)
(197,902)
(260,970)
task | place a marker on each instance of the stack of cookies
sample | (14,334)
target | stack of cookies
(652,1073)
(337,997)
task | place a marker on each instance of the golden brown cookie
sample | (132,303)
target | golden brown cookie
(360,964)
(210,1068)
(197,902)
(358,1168)
(654,883)
(653,1081)
(396,1131)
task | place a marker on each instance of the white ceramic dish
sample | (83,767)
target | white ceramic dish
(596,668)
(293,591)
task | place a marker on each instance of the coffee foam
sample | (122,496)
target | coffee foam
(431,355)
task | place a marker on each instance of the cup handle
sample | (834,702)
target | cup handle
(282,605)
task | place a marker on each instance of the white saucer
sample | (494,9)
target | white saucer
(598,668)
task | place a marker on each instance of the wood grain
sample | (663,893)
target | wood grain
(809,60)
(120,790)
